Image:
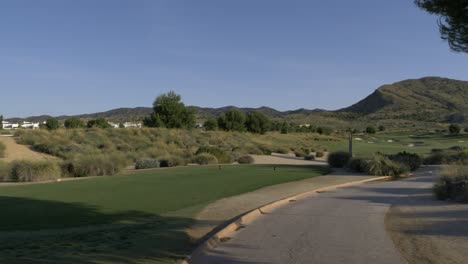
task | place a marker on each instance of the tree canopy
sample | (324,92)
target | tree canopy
(52,124)
(74,122)
(232,120)
(257,122)
(453,20)
(98,122)
(170,112)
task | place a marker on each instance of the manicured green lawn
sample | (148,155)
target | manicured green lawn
(393,143)
(142,216)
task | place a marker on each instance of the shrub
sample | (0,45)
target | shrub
(171,161)
(299,154)
(52,124)
(74,122)
(338,159)
(211,124)
(205,159)
(146,164)
(436,150)
(245,160)
(309,157)
(319,154)
(5,171)
(357,164)
(282,150)
(454,129)
(453,184)
(30,171)
(412,160)
(220,154)
(265,150)
(2,150)
(97,165)
(456,148)
(370,130)
(381,165)
(437,158)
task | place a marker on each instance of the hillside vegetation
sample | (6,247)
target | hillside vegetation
(430,99)
(97,151)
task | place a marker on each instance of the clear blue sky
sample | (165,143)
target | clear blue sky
(70,57)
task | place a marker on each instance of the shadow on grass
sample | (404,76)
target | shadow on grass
(124,237)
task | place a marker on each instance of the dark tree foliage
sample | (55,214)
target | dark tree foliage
(381,128)
(74,122)
(257,122)
(170,112)
(370,130)
(52,124)
(211,124)
(232,120)
(284,128)
(454,129)
(453,20)
(98,122)
(1,121)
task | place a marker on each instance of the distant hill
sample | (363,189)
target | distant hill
(431,99)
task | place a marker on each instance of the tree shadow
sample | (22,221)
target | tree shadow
(27,236)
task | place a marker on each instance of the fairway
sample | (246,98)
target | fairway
(391,143)
(138,218)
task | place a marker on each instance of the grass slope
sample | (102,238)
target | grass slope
(142,216)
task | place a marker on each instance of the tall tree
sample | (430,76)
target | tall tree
(232,120)
(170,112)
(1,121)
(453,20)
(52,124)
(257,122)
(74,122)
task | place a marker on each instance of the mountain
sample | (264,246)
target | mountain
(429,99)
(432,99)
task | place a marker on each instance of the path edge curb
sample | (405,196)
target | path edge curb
(252,215)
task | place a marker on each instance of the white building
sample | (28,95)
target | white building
(26,125)
(131,124)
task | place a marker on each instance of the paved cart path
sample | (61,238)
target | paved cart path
(345,225)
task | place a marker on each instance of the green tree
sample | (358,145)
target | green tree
(98,122)
(257,122)
(466,129)
(211,124)
(454,129)
(284,128)
(320,130)
(74,122)
(1,121)
(453,21)
(232,120)
(52,124)
(370,130)
(170,112)
(381,128)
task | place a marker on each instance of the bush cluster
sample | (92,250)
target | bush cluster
(2,150)
(171,161)
(453,184)
(338,159)
(245,160)
(309,157)
(357,164)
(412,160)
(205,159)
(95,165)
(31,171)
(319,154)
(381,165)
(146,164)
(220,154)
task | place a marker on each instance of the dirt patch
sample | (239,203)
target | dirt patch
(15,151)
(430,231)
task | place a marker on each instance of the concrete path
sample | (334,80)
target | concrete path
(340,226)
(225,209)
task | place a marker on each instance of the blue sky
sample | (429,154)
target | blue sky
(70,57)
